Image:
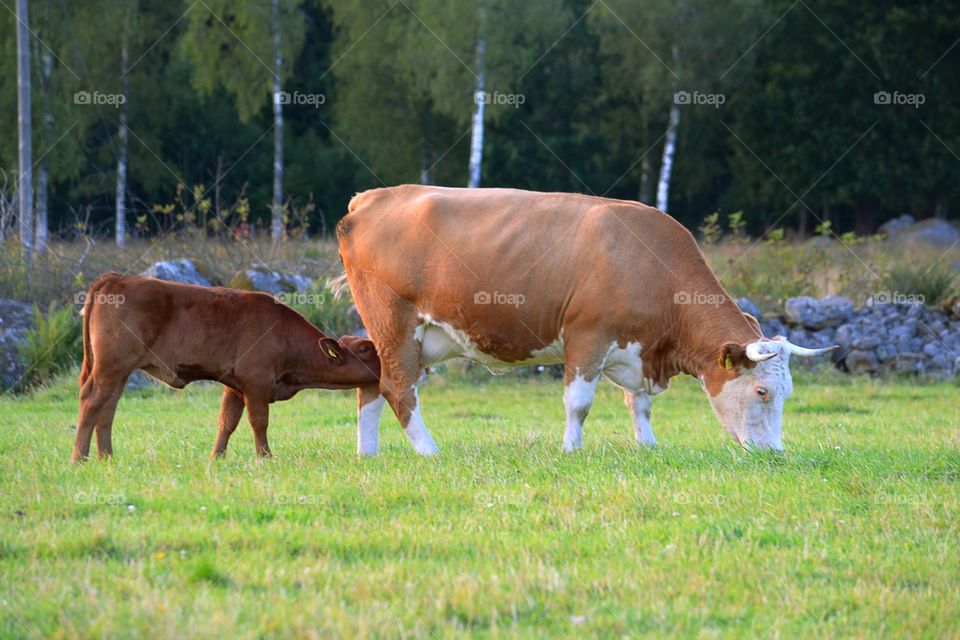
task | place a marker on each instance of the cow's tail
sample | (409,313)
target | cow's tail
(339,285)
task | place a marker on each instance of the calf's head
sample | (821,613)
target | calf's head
(748,386)
(350,361)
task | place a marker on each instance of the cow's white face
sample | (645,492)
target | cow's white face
(750,406)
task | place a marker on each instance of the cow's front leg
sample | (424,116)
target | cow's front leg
(258,413)
(639,405)
(371,405)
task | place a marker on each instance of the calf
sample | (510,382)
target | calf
(260,350)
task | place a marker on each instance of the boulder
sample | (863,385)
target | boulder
(259,277)
(183,270)
(830,311)
(16,321)
(746,305)
(892,227)
(935,232)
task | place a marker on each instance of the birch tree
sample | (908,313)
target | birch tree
(24,131)
(246,47)
(120,230)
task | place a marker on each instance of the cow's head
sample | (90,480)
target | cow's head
(748,385)
(354,360)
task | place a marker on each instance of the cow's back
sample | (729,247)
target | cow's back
(490,260)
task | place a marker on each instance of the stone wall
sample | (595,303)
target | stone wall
(879,338)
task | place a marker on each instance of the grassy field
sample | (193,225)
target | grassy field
(853,532)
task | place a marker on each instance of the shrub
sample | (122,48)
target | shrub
(54,345)
(935,284)
(333,317)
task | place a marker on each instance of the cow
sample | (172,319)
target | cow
(261,351)
(505,277)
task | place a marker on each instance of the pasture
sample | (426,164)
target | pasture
(853,532)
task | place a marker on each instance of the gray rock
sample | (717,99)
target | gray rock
(263,278)
(138,380)
(16,321)
(934,232)
(859,361)
(830,311)
(908,363)
(183,270)
(747,306)
(773,327)
(892,227)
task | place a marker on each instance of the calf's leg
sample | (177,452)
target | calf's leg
(98,403)
(258,413)
(584,361)
(231,409)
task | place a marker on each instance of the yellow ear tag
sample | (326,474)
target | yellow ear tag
(728,363)
(332,353)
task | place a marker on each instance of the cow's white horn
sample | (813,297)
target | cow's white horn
(757,353)
(806,353)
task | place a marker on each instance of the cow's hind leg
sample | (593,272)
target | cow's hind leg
(392,322)
(231,409)
(98,403)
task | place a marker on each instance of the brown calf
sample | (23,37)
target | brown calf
(261,351)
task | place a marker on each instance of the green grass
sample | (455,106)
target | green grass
(853,532)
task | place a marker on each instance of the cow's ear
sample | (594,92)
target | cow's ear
(753,323)
(331,349)
(733,356)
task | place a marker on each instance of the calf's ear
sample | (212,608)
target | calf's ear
(733,356)
(331,349)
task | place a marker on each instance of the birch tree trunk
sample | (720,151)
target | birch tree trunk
(24,131)
(43,175)
(666,166)
(479,100)
(277,208)
(645,181)
(122,146)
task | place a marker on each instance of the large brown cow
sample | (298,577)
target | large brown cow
(507,277)
(260,350)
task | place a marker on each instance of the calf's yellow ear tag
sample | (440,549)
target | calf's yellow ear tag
(728,362)
(332,353)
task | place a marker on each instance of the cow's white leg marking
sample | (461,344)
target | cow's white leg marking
(639,405)
(577,400)
(416,430)
(368,427)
